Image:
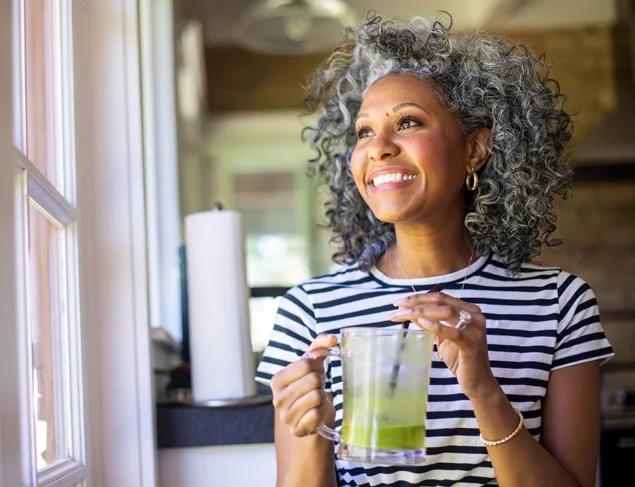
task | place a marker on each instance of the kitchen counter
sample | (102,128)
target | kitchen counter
(185,424)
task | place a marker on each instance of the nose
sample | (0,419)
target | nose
(383,148)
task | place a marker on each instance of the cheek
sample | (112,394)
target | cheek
(358,167)
(438,156)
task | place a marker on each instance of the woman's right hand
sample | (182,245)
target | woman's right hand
(298,390)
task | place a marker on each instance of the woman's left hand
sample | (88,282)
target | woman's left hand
(464,352)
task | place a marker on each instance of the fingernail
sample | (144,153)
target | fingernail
(392,314)
(400,301)
(424,322)
(402,312)
(445,323)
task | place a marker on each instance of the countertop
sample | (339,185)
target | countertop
(185,424)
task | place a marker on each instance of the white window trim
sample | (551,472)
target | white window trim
(15,445)
(119,403)
(33,188)
(45,195)
(111,223)
(62,474)
(40,192)
(162,176)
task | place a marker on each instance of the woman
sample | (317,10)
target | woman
(445,157)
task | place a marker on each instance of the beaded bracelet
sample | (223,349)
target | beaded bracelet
(521,422)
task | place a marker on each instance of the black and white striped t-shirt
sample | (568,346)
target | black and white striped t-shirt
(538,321)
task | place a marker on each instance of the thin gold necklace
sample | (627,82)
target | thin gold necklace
(467,271)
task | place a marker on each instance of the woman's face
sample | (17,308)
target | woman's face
(411,156)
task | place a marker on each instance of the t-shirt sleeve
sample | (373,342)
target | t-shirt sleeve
(292,334)
(580,337)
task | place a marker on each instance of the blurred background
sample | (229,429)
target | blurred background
(239,71)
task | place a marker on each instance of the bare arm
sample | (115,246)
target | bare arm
(568,451)
(304,461)
(567,455)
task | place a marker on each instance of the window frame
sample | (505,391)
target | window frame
(34,188)
(112,229)
(105,67)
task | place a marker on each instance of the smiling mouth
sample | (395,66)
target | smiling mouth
(391,178)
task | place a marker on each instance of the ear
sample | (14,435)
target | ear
(478,146)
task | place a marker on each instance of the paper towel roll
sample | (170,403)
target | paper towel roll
(220,340)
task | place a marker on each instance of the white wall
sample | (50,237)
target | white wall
(218,466)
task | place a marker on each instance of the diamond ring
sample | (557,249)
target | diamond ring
(464,319)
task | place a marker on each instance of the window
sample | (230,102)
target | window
(46,218)
(257,165)
(71,207)
(276,247)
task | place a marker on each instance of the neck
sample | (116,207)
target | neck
(426,252)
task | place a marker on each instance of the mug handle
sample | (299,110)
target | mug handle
(323,430)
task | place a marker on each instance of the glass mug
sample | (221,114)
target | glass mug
(385,374)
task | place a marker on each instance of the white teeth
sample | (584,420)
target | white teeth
(392,178)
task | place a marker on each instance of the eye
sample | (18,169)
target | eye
(363,132)
(407,122)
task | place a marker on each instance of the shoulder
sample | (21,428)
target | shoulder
(576,298)
(545,278)
(569,284)
(342,276)
(528,272)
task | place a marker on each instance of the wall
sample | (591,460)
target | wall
(226,466)
(590,64)
(598,228)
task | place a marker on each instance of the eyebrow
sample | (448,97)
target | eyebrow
(409,104)
(396,108)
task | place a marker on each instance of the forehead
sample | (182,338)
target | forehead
(398,88)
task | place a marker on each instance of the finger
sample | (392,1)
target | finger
(442,331)
(435,298)
(431,312)
(309,422)
(324,340)
(311,400)
(320,347)
(444,313)
(286,397)
(295,371)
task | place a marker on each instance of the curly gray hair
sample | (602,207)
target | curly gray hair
(486,82)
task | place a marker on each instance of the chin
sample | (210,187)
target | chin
(395,210)
(390,216)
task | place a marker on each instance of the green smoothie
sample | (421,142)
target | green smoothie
(396,423)
(407,437)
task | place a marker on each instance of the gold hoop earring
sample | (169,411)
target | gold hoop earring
(471,181)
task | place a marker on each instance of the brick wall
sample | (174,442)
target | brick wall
(598,223)
(591,65)
(598,228)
